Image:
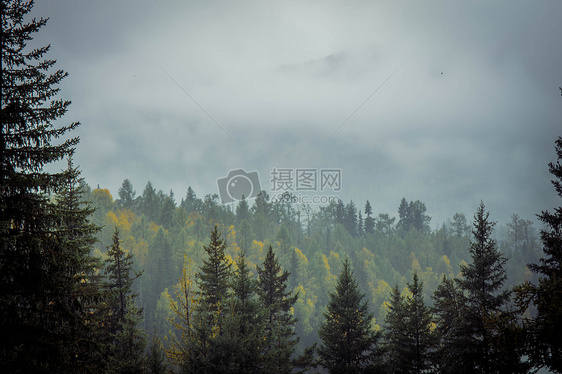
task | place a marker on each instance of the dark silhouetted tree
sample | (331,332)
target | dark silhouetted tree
(280,337)
(35,288)
(348,342)
(544,330)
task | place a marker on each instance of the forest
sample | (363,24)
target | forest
(151,282)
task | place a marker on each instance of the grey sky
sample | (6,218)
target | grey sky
(472,113)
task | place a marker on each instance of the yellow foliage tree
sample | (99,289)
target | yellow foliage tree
(182,306)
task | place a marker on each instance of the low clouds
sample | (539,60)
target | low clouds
(472,113)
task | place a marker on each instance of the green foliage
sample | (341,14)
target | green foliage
(280,337)
(544,345)
(474,314)
(409,339)
(41,310)
(348,340)
(213,277)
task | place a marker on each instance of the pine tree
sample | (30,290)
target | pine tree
(418,328)
(280,340)
(127,195)
(242,210)
(78,269)
(369,225)
(214,275)
(395,338)
(482,282)
(410,342)
(545,328)
(452,350)
(34,320)
(405,214)
(239,348)
(481,320)
(156,360)
(126,353)
(348,340)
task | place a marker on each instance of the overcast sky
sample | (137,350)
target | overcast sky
(465,101)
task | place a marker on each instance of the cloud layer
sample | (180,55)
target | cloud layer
(179,92)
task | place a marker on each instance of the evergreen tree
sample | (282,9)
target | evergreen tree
(459,225)
(385,224)
(482,320)
(369,225)
(348,340)
(360,225)
(127,195)
(410,342)
(156,359)
(395,338)
(126,353)
(280,337)
(405,215)
(239,348)
(242,210)
(482,282)
(214,275)
(350,218)
(545,328)
(36,291)
(284,239)
(191,202)
(78,269)
(418,329)
(452,352)
(149,204)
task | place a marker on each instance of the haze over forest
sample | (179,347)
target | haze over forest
(281,187)
(470,114)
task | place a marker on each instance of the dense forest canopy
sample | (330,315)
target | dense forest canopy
(152,282)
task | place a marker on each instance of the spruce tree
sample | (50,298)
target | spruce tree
(482,282)
(280,337)
(410,342)
(452,352)
(395,338)
(127,341)
(214,275)
(239,348)
(348,342)
(78,270)
(369,225)
(544,330)
(482,320)
(418,328)
(34,288)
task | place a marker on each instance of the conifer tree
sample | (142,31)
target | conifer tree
(482,283)
(545,328)
(280,337)
(452,352)
(418,329)
(126,351)
(395,339)
(78,270)
(348,340)
(214,275)
(369,225)
(239,348)
(34,300)
(410,341)
(482,318)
